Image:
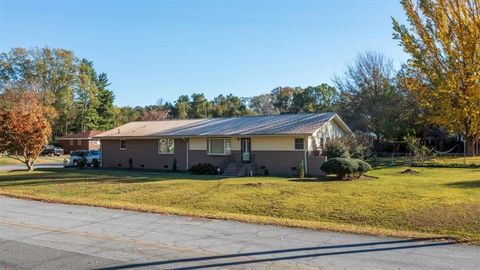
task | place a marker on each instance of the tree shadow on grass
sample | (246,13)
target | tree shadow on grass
(240,259)
(46,176)
(465,184)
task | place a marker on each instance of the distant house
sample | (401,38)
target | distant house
(79,141)
(237,145)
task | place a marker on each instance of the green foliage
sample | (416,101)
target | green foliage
(204,168)
(363,167)
(346,168)
(96,164)
(82,162)
(336,149)
(69,84)
(174,166)
(420,152)
(301,170)
(359,145)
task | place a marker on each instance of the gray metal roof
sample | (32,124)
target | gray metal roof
(283,124)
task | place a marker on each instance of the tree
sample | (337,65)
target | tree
(443,42)
(199,106)
(282,98)
(87,103)
(24,125)
(182,107)
(54,70)
(154,115)
(123,115)
(105,108)
(220,106)
(314,99)
(369,99)
(262,104)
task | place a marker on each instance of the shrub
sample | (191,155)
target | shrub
(346,168)
(130,163)
(301,170)
(205,168)
(342,167)
(81,162)
(336,149)
(174,166)
(96,164)
(359,145)
(363,167)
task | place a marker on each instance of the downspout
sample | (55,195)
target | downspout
(188,150)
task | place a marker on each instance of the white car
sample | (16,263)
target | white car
(91,156)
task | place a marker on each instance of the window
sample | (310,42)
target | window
(219,146)
(96,142)
(123,144)
(71,142)
(79,142)
(299,144)
(166,146)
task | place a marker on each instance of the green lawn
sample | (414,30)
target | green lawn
(433,202)
(40,160)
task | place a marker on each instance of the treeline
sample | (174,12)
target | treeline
(279,100)
(369,96)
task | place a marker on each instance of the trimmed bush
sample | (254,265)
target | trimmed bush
(341,167)
(363,167)
(205,168)
(346,168)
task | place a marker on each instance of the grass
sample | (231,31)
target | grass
(41,160)
(438,160)
(434,202)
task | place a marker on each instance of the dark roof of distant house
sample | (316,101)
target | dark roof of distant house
(81,135)
(282,124)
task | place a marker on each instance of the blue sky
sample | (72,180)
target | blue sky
(161,49)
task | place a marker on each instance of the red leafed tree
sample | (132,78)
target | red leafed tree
(24,125)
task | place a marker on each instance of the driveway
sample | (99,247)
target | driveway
(36,166)
(36,235)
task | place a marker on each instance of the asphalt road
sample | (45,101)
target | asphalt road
(36,235)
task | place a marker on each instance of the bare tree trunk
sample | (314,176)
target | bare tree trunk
(29,165)
(471,145)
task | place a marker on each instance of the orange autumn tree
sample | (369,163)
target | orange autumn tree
(443,72)
(24,125)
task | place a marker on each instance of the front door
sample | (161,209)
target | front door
(246,150)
